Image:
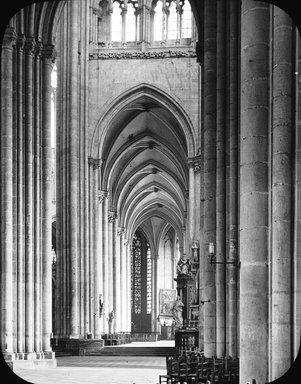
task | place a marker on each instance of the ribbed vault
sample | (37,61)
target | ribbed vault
(144,148)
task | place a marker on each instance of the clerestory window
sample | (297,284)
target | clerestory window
(124,21)
(130,24)
(172,20)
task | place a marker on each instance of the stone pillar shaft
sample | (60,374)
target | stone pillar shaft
(233,174)
(7,192)
(128,288)
(20,203)
(221,182)
(209,173)
(110,264)
(123,274)
(37,199)
(191,207)
(73,172)
(281,221)
(48,60)
(90,264)
(254,187)
(105,263)
(297,261)
(97,258)
(118,285)
(29,265)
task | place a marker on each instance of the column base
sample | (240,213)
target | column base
(77,347)
(32,360)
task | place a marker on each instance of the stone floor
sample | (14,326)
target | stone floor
(100,370)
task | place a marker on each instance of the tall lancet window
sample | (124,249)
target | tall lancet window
(116,22)
(159,22)
(172,21)
(141,281)
(186,20)
(130,23)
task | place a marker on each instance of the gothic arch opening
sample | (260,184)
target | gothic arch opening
(145,138)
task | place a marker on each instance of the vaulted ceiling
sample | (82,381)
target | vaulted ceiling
(145,168)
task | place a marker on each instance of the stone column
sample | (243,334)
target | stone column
(179,23)
(73,173)
(100,259)
(101,198)
(233,173)
(210,10)
(116,272)
(97,278)
(29,262)
(90,264)
(192,210)
(8,43)
(48,60)
(155,291)
(110,234)
(254,188)
(221,181)
(123,14)
(281,220)
(118,283)
(20,203)
(37,199)
(123,274)
(297,261)
(105,262)
(128,286)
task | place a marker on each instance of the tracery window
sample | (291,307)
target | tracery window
(172,20)
(124,26)
(141,275)
(136,275)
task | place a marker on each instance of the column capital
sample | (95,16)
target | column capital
(29,45)
(20,42)
(120,231)
(38,49)
(49,53)
(102,195)
(195,163)
(9,38)
(96,163)
(112,216)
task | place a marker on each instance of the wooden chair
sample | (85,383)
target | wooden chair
(172,368)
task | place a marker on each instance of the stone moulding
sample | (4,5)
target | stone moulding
(140,55)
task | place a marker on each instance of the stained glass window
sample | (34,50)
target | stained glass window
(148,281)
(141,275)
(136,275)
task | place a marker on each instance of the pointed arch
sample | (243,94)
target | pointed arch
(156,97)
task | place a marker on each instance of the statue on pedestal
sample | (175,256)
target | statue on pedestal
(111,321)
(177,311)
(183,266)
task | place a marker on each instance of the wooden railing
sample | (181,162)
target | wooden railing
(128,337)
